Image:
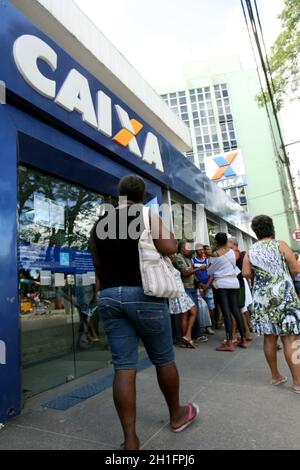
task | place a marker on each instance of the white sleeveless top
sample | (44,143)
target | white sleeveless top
(225,271)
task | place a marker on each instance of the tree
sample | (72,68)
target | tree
(285,56)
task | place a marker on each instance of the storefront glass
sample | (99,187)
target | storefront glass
(59,320)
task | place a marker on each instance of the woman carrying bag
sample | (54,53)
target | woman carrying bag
(125,266)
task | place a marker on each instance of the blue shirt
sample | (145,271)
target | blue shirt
(201,276)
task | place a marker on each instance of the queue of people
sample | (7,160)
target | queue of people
(214,278)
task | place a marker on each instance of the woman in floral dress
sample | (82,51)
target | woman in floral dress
(276,307)
(185,308)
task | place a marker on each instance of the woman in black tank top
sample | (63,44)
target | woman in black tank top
(128,315)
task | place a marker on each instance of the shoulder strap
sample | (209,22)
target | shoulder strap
(146,217)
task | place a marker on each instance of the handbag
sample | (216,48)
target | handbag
(157,271)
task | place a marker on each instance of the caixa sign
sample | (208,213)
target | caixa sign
(75,96)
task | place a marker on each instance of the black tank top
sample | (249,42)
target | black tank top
(118,253)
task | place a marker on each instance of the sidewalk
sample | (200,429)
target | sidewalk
(239,409)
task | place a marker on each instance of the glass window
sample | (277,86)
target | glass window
(193,99)
(185,116)
(182,100)
(197,131)
(194,107)
(173,95)
(183,109)
(181,93)
(57,281)
(196,122)
(174,102)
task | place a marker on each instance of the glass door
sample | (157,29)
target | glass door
(61,338)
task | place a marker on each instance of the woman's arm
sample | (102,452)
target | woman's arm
(247,269)
(163,238)
(288,254)
(95,256)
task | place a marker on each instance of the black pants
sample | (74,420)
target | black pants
(228,301)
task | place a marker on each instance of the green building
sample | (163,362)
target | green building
(216,100)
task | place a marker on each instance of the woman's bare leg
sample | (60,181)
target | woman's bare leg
(291,357)
(270,350)
(192,315)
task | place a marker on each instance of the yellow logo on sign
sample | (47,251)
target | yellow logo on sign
(124,137)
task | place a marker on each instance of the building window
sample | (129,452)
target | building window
(225,117)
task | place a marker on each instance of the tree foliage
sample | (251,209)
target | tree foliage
(285,56)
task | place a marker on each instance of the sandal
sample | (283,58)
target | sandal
(281,381)
(190,419)
(189,344)
(225,348)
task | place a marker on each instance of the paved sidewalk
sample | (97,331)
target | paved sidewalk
(239,409)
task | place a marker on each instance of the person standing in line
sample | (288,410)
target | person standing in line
(217,316)
(185,308)
(224,271)
(128,314)
(239,255)
(205,282)
(184,265)
(276,307)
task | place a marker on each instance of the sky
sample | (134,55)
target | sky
(159,36)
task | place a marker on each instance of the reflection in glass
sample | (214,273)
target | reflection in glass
(57,282)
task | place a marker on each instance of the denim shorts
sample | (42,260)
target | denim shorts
(128,315)
(209,299)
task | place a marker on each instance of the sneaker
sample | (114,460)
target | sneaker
(201,339)
(210,331)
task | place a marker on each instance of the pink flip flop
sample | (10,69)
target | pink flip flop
(191,418)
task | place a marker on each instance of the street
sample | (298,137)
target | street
(239,409)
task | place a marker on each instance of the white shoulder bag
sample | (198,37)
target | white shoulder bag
(156,270)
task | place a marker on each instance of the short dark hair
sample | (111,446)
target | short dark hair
(181,244)
(263,227)
(221,238)
(133,187)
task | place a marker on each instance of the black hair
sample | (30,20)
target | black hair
(221,238)
(133,187)
(263,227)
(181,245)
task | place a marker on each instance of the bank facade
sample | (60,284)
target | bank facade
(66,140)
